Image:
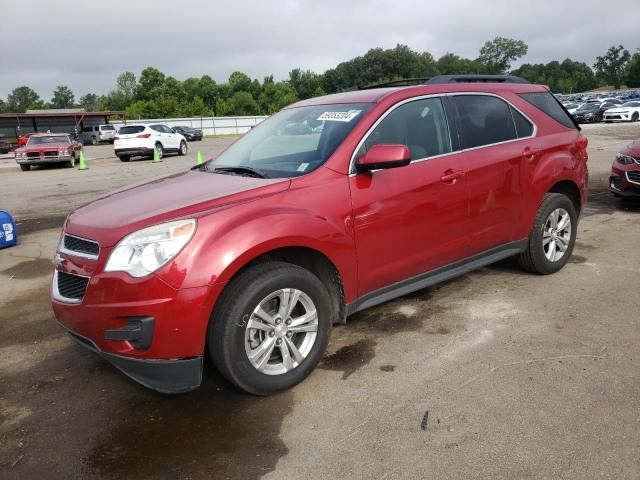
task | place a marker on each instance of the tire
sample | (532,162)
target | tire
(71,163)
(124,158)
(25,167)
(231,339)
(94,141)
(538,257)
(183,149)
(634,117)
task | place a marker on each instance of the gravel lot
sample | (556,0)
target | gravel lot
(522,376)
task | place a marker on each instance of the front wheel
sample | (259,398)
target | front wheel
(124,158)
(71,163)
(25,167)
(270,327)
(552,237)
(635,116)
(183,149)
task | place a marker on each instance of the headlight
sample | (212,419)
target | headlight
(63,153)
(20,155)
(146,250)
(624,159)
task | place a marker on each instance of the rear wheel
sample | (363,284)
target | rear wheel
(634,117)
(183,149)
(270,327)
(25,167)
(94,141)
(552,237)
(124,158)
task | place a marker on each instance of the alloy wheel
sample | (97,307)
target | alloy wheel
(557,234)
(281,331)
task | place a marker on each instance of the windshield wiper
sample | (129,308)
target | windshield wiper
(245,171)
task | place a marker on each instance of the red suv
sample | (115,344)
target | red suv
(331,206)
(625,173)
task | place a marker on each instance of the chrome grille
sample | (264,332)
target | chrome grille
(80,245)
(634,176)
(33,154)
(51,153)
(71,286)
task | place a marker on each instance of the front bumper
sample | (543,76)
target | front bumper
(617,117)
(165,376)
(40,160)
(582,119)
(625,181)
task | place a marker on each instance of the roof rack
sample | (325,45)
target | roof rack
(393,83)
(475,79)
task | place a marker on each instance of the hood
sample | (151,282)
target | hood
(191,193)
(633,149)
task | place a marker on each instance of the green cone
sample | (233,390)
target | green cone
(199,160)
(156,155)
(82,165)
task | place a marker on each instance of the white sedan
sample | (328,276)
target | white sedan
(135,140)
(627,112)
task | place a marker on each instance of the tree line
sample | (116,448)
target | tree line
(156,95)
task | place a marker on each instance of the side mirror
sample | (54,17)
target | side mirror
(383,156)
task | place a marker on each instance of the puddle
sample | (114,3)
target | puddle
(605,203)
(350,358)
(30,269)
(213,432)
(388,368)
(27,318)
(577,259)
(32,225)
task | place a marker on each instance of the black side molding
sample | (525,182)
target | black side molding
(436,276)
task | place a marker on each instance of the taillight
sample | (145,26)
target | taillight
(144,135)
(582,147)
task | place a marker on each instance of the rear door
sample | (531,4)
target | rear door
(496,152)
(411,219)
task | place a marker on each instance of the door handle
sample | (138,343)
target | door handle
(529,153)
(450,176)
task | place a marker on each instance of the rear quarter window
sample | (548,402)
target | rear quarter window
(483,120)
(549,104)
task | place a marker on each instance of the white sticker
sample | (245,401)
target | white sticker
(9,237)
(8,228)
(339,116)
(303,167)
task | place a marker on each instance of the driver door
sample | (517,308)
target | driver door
(412,219)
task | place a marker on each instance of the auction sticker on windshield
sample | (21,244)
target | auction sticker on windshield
(339,116)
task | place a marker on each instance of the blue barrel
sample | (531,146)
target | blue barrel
(8,234)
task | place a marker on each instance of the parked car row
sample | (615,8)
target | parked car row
(604,110)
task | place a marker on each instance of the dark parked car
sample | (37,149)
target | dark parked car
(625,172)
(252,257)
(191,134)
(5,147)
(593,111)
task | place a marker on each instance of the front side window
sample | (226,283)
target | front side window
(483,120)
(421,125)
(294,141)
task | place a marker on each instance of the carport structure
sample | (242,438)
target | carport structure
(12,125)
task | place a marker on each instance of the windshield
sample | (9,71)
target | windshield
(293,142)
(48,139)
(589,106)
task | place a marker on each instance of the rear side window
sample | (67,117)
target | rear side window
(524,127)
(107,127)
(484,120)
(157,128)
(130,130)
(549,105)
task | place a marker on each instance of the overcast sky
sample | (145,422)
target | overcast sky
(86,44)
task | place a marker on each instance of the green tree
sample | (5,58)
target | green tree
(3,106)
(304,83)
(239,82)
(150,84)
(242,103)
(276,96)
(497,54)
(63,97)
(21,99)
(633,71)
(197,108)
(222,108)
(565,77)
(450,64)
(126,85)
(611,66)
(89,102)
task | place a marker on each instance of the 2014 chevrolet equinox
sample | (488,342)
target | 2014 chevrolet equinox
(333,205)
